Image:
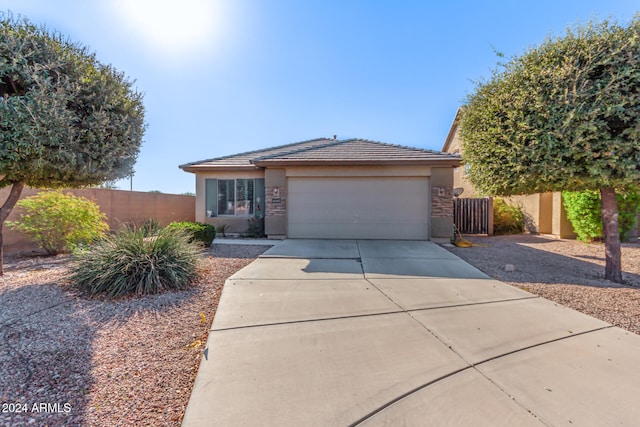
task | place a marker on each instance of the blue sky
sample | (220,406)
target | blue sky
(226,76)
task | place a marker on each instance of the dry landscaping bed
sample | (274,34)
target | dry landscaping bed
(565,271)
(68,359)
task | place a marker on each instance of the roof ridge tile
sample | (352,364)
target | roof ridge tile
(300,150)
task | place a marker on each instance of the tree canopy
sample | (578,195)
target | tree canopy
(66,120)
(563,116)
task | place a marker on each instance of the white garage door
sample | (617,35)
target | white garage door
(358,208)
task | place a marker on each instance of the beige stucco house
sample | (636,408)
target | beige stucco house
(329,188)
(544,212)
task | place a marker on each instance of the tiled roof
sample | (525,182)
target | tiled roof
(323,150)
(244,159)
(356,150)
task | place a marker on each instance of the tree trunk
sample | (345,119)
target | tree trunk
(609,212)
(5,210)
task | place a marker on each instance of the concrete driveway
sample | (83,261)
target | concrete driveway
(395,333)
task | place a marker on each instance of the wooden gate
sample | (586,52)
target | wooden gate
(473,216)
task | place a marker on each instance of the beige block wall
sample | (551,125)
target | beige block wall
(544,214)
(119,206)
(545,224)
(561,226)
(531,207)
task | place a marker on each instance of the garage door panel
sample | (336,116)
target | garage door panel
(346,231)
(368,212)
(376,208)
(356,185)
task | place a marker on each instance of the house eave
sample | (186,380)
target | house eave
(418,162)
(218,168)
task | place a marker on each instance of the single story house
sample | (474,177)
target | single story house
(544,212)
(329,188)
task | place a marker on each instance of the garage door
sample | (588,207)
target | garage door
(358,208)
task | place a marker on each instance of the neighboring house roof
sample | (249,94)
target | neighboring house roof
(324,151)
(452,130)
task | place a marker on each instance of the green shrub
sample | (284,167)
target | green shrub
(507,219)
(583,210)
(130,263)
(59,222)
(204,233)
(628,208)
(256,227)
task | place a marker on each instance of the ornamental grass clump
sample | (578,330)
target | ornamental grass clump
(130,263)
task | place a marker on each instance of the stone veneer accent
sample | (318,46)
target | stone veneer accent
(442,201)
(276,209)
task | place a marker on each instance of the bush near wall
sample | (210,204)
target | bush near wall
(507,219)
(203,233)
(583,210)
(59,222)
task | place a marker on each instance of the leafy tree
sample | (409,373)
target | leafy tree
(562,116)
(66,120)
(107,185)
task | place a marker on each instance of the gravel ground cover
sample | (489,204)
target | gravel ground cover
(70,360)
(568,272)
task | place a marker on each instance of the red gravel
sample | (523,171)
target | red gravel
(71,360)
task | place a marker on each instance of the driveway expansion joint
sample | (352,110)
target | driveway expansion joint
(518,350)
(473,366)
(322,319)
(468,304)
(404,395)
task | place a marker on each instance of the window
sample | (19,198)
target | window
(226,197)
(244,197)
(234,197)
